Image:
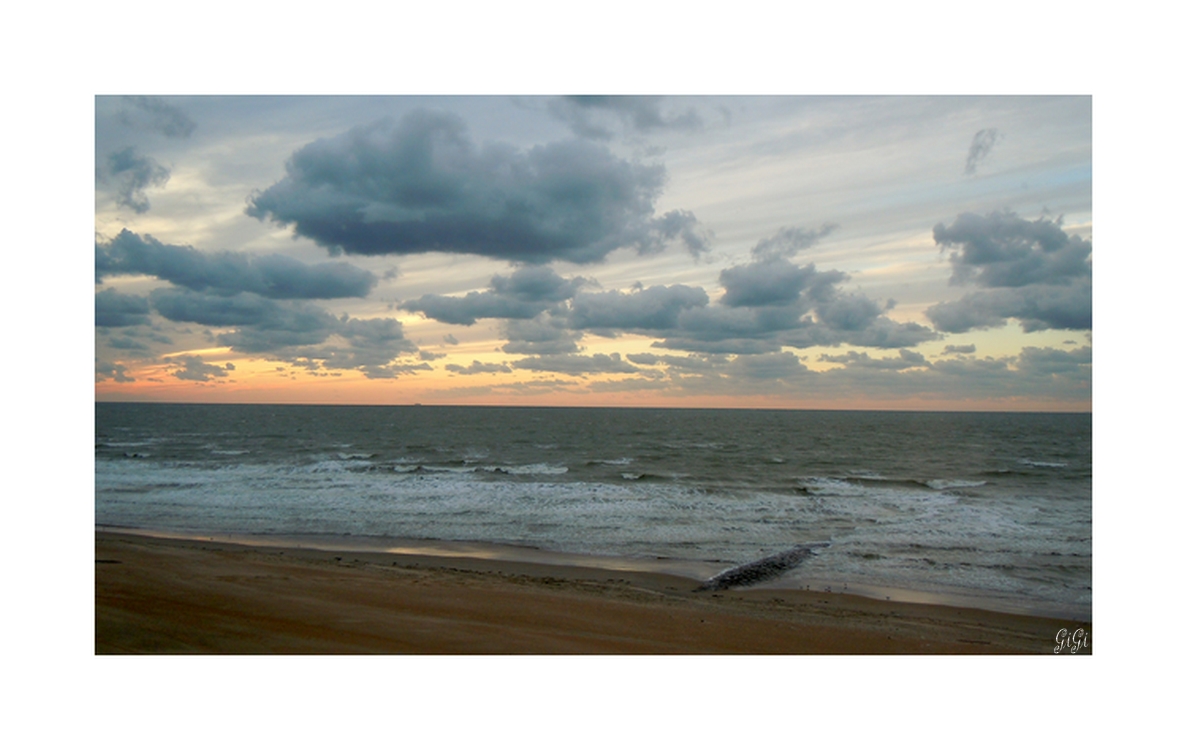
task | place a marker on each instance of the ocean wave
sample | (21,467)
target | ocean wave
(438,469)
(529,469)
(953,484)
(333,465)
(1042,464)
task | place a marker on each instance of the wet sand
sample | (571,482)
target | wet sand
(173,596)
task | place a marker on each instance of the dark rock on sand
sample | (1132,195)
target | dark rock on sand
(761,570)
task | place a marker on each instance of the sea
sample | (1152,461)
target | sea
(990,510)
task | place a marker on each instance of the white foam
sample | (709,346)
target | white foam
(953,484)
(1042,464)
(530,469)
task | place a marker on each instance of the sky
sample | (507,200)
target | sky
(885,197)
(884,252)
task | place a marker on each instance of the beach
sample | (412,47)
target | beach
(156,595)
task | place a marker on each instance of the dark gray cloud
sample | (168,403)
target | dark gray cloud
(185,306)
(1005,250)
(422,185)
(884,333)
(1036,308)
(1076,364)
(542,335)
(155,114)
(112,371)
(600,117)
(847,312)
(576,364)
(772,302)
(982,143)
(127,343)
(1030,271)
(788,241)
(272,276)
(961,349)
(194,368)
(773,366)
(478,368)
(113,310)
(768,304)
(525,294)
(772,279)
(721,345)
(369,345)
(906,359)
(655,308)
(294,330)
(775,282)
(683,225)
(720,323)
(130,174)
(467,310)
(645,358)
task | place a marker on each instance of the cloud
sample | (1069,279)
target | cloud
(774,282)
(1005,250)
(112,371)
(193,368)
(1076,364)
(684,226)
(525,294)
(576,364)
(422,185)
(735,345)
(371,346)
(774,366)
(1049,374)
(1030,271)
(906,359)
(1036,308)
(884,333)
(478,367)
(768,304)
(771,303)
(185,306)
(131,174)
(848,312)
(127,343)
(113,310)
(272,276)
(294,330)
(788,241)
(542,335)
(982,143)
(655,308)
(961,349)
(596,117)
(719,323)
(154,113)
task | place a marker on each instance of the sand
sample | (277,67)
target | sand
(175,596)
